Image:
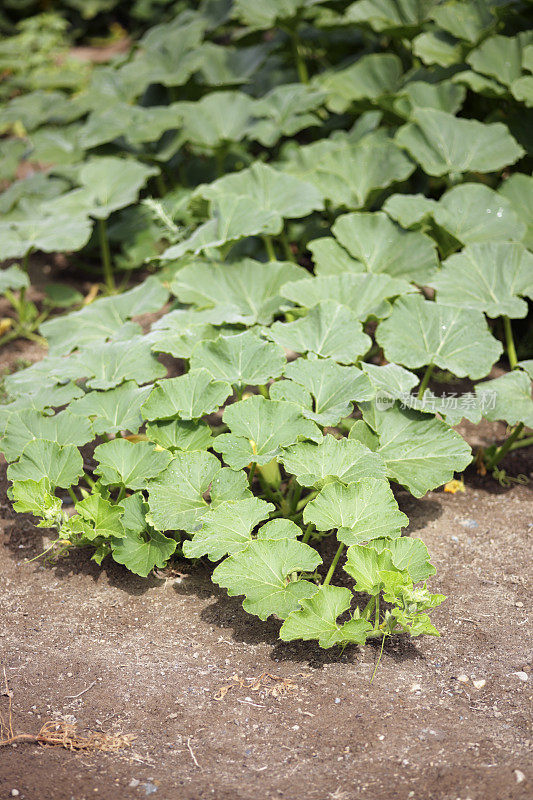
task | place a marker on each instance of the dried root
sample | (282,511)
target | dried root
(59,734)
(269,685)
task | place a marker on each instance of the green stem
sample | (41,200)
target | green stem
(89,481)
(287,248)
(121,494)
(72,495)
(106,255)
(522,443)
(296,492)
(26,259)
(306,500)
(379,659)
(509,342)
(263,390)
(161,185)
(376,615)
(301,66)
(269,245)
(425,381)
(505,447)
(334,563)
(251,473)
(307,534)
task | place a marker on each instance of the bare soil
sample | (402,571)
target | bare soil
(171,660)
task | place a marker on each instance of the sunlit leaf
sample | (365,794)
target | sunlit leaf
(419,332)
(259,428)
(490,277)
(317,619)
(360,511)
(261,572)
(330,459)
(442,143)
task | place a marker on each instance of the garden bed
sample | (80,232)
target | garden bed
(156,654)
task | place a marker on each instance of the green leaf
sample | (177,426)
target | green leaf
(43,230)
(522,90)
(114,410)
(242,360)
(13,278)
(176,497)
(330,258)
(390,379)
(261,572)
(112,363)
(317,619)
(328,330)
(360,511)
(465,19)
(135,510)
(259,429)
(489,277)
(63,466)
(28,424)
(419,452)
(129,464)
(346,460)
(140,553)
(189,396)
(332,386)
(527,366)
(279,529)
(445,96)
(500,57)
(284,111)
(364,294)
(518,189)
(507,398)
(381,246)
(370,78)
(248,291)
(227,528)
(442,143)
(410,210)
(389,15)
(367,567)
(253,201)
(437,47)
(98,517)
(407,554)
(229,485)
(111,183)
(177,434)
(345,171)
(34,497)
(474,213)
(420,332)
(206,122)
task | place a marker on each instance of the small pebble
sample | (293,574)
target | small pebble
(134,783)
(519,775)
(462,678)
(522,676)
(455,538)
(479,684)
(468,523)
(519,604)
(150,788)
(337,699)
(15,792)
(381,737)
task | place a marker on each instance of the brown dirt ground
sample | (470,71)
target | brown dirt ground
(118,653)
